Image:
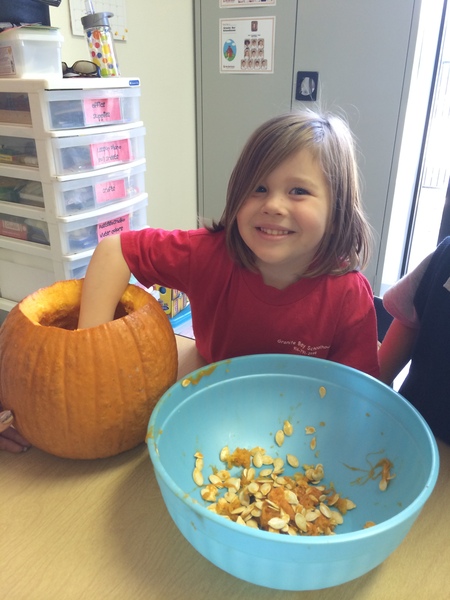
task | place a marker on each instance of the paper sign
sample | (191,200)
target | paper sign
(245,3)
(247,45)
(110,190)
(109,153)
(102,110)
(113,227)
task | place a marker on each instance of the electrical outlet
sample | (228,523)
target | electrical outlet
(307,84)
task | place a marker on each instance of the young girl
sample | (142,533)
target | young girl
(279,272)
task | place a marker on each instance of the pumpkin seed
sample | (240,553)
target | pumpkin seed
(277,523)
(287,428)
(301,522)
(197,477)
(292,460)
(279,437)
(224,454)
(258,460)
(278,465)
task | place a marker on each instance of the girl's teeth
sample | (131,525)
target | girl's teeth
(273,231)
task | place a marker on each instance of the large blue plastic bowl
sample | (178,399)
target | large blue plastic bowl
(241,403)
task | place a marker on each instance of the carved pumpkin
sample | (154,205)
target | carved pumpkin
(84,393)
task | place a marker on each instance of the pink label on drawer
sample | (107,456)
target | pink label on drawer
(102,110)
(110,190)
(113,227)
(13,229)
(109,153)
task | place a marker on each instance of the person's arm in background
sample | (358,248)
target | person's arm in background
(106,279)
(395,350)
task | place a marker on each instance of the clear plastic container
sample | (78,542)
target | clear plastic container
(15,108)
(18,151)
(79,154)
(21,191)
(24,228)
(24,272)
(30,52)
(71,109)
(84,232)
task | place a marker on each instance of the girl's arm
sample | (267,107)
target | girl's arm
(395,350)
(106,279)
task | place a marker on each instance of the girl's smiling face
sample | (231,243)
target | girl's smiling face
(285,218)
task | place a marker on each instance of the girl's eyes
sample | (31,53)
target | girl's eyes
(260,189)
(298,191)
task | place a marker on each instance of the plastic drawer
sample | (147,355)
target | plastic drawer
(84,232)
(15,108)
(21,191)
(79,154)
(18,151)
(71,109)
(22,273)
(79,195)
(24,228)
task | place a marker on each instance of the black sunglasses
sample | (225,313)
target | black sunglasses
(80,68)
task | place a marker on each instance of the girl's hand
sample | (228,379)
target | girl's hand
(10,438)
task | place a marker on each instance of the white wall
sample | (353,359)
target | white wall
(160,51)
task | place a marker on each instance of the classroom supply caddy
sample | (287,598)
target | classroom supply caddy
(72,171)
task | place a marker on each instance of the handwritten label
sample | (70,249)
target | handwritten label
(113,227)
(110,153)
(102,110)
(110,190)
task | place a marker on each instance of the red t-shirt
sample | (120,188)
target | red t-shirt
(234,313)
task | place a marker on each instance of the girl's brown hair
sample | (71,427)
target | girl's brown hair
(346,243)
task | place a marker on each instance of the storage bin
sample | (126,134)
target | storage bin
(21,191)
(22,273)
(24,228)
(83,232)
(18,151)
(30,52)
(71,109)
(78,154)
(15,108)
(79,195)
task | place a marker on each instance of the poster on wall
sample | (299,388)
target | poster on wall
(245,3)
(247,45)
(118,21)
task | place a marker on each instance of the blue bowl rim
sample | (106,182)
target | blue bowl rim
(409,512)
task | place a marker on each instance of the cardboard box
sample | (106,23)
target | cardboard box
(172,301)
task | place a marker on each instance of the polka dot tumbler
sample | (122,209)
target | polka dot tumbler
(100,42)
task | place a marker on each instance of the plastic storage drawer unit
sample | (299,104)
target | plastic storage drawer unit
(79,154)
(70,109)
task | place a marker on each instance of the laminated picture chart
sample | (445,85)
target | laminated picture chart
(118,21)
(247,45)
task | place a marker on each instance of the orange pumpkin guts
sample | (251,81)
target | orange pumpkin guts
(85,393)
